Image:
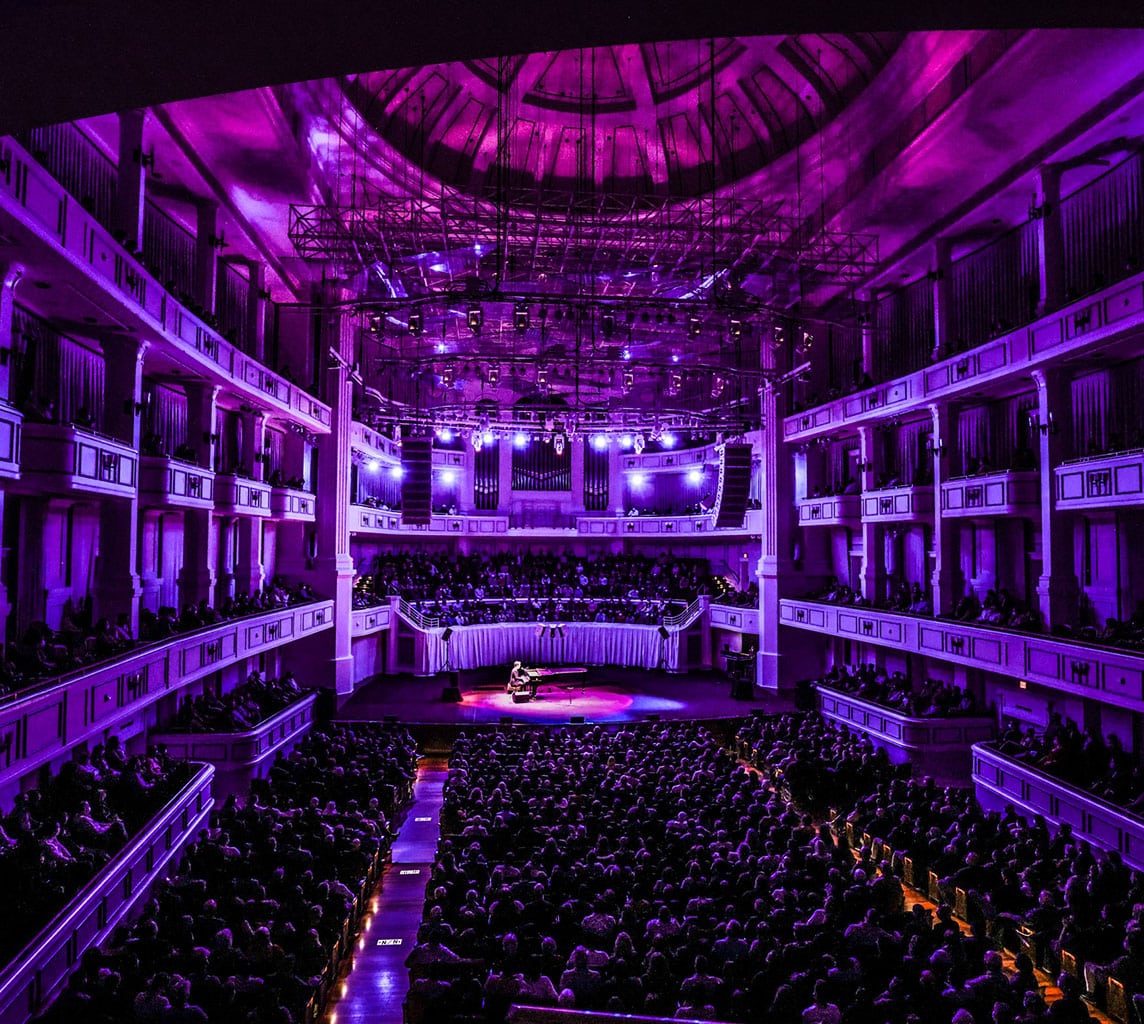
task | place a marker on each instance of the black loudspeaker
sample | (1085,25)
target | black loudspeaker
(521,697)
(734,486)
(577,719)
(417,482)
(451,695)
(742,689)
(663,632)
(448,633)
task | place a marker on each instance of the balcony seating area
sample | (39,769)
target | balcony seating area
(240,710)
(256,921)
(897,692)
(57,837)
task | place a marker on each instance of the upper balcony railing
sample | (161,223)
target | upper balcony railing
(1003,493)
(1113,674)
(32,197)
(63,458)
(1101,481)
(11,430)
(48,718)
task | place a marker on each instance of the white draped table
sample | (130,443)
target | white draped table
(583,643)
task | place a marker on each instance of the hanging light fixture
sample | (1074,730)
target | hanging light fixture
(520,318)
(475,318)
(416,323)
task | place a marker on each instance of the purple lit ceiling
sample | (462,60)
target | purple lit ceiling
(678,118)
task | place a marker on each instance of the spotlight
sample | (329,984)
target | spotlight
(608,324)
(397,472)
(736,328)
(487,436)
(694,326)
(520,440)
(494,374)
(447,378)
(695,476)
(625,353)
(520,316)
(558,444)
(638,443)
(625,441)
(629,380)
(542,377)
(445,434)
(476,440)
(638,479)
(599,442)
(373,465)
(475,318)
(448,477)
(668,440)
(674,383)
(717,386)
(416,324)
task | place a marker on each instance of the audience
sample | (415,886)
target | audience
(934,699)
(57,837)
(249,927)
(240,710)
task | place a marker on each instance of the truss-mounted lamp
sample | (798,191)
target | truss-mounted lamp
(542,377)
(718,384)
(520,318)
(493,376)
(445,434)
(1046,426)
(628,381)
(558,444)
(668,439)
(674,383)
(735,328)
(639,443)
(416,324)
(694,326)
(608,324)
(476,440)
(625,441)
(474,319)
(520,440)
(599,442)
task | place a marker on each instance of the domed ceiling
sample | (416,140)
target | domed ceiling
(655,119)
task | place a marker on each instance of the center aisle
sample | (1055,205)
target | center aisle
(376,987)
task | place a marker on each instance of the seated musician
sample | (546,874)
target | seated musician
(517,678)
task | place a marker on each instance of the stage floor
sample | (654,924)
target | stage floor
(600,695)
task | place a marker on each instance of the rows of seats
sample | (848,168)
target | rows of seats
(242,708)
(932,698)
(56,837)
(253,925)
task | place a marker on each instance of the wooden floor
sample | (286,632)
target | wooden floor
(377,981)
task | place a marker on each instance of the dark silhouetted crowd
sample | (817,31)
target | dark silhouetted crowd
(241,709)
(896,691)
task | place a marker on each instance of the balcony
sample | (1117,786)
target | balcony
(238,496)
(292,505)
(1117,676)
(898,505)
(38,974)
(241,757)
(11,421)
(47,721)
(1001,781)
(836,510)
(64,459)
(933,745)
(992,494)
(373,444)
(365,621)
(1107,481)
(734,619)
(34,205)
(170,483)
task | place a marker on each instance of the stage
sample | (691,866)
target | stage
(601,695)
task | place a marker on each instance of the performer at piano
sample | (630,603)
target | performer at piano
(518,679)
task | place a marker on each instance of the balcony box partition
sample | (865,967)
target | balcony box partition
(292,504)
(836,510)
(165,482)
(59,458)
(899,504)
(11,422)
(1106,481)
(992,494)
(238,496)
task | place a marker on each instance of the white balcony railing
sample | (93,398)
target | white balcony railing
(11,422)
(899,504)
(63,458)
(165,482)
(1105,481)
(834,510)
(293,505)
(992,494)
(240,496)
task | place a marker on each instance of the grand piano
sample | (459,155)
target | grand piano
(524,687)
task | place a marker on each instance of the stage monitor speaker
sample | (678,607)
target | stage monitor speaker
(734,486)
(417,481)
(663,632)
(521,697)
(577,719)
(451,695)
(447,634)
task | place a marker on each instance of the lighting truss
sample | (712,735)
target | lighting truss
(602,244)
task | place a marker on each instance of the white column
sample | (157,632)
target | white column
(1048,229)
(942,274)
(776,564)
(200,556)
(206,253)
(1057,588)
(946,587)
(872,575)
(130,179)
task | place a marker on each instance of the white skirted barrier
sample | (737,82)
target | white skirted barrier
(583,643)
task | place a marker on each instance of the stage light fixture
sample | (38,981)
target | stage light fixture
(520,319)
(695,476)
(445,434)
(668,440)
(638,443)
(599,442)
(625,353)
(717,386)
(625,441)
(629,380)
(736,328)
(638,480)
(694,326)
(448,477)
(475,440)
(608,324)
(487,436)
(373,465)
(475,318)
(416,324)
(494,375)
(397,472)
(558,444)
(674,384)
(520,440)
